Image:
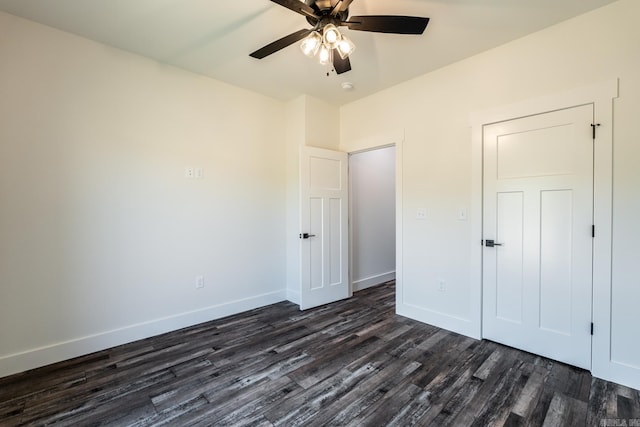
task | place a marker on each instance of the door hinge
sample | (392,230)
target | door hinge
(593,129)
(591,328)
(593,231)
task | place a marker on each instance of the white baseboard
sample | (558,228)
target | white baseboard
(358,285)
(440,320)
(20,362)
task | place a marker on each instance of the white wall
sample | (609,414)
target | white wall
(372,225)
(101,234)
(436,159)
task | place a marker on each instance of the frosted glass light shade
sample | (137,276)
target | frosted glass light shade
(311,44)
(345,47)
(331,36)
(324,55)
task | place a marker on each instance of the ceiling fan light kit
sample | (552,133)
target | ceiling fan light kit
(325,38)
(326,44)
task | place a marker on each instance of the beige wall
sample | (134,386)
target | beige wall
(102,235)
(436,160)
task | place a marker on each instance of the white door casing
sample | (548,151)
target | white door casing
(538,203)
(324,218)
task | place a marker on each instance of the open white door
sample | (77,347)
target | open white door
(324,227)
(538,216)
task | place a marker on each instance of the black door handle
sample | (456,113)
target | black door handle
(490,243)
(306,235)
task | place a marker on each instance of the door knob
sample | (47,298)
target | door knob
(306,235)
(490,243)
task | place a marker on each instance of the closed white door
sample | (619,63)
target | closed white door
(537,227)
(324,227)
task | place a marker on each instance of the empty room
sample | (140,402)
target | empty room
(320,212)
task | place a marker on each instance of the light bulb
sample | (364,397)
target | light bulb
(311,44)
(345,47)
(324,56)
(331,36)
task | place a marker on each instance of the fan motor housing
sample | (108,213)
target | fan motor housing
(323,8)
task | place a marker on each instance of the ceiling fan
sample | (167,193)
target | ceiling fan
(325,40)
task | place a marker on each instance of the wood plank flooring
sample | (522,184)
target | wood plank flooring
(352,363)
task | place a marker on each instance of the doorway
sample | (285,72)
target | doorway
(331,237)
(372,217)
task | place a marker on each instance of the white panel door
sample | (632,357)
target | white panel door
(324,220)
(538,211)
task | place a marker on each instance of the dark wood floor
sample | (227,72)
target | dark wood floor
(350,363)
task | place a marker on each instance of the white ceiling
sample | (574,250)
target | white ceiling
(215,37)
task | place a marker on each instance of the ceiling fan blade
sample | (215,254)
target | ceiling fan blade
(341,6)
(298,7)
(280,44)
(388,24)
(341,65)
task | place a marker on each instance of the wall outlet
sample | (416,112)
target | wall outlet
(442,285)
(199,282)
(188,173)
(421,214)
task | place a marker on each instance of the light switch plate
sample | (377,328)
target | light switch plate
(199,282)
(421,214)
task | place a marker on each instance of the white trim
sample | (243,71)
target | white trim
(475,217)
(374,148)
(373,142)
(378,279)
(399,226)
(20,362)
(580,96)
(600,95)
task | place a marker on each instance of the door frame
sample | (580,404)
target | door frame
(600,95)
